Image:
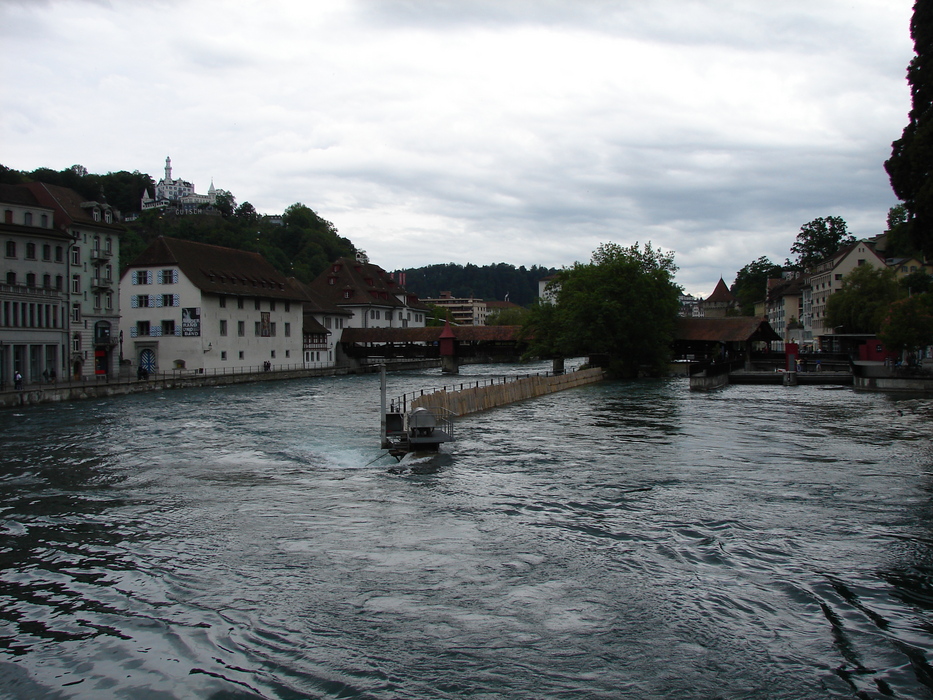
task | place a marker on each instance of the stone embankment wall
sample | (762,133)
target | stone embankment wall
(485,397)
(906,384)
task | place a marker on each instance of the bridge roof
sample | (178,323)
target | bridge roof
(430,334)
(737,329)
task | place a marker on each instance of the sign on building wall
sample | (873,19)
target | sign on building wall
(191,321)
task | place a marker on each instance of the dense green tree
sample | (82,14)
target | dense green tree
(918,282)
(247,213)
(818,240)
(908,324)
(225,203)
(512,316)
(862,303)
(622,304)
(898,243)
(751,283)
(909,166)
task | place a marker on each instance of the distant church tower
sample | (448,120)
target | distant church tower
(168,169)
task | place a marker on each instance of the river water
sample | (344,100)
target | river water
(621,540)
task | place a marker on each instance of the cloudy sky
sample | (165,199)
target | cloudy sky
(483,131)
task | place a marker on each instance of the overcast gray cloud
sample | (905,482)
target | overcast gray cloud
(483,131)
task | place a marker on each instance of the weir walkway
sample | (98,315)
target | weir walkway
(463,398)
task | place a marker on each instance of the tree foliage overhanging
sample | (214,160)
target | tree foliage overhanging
(623,304)
(909,166)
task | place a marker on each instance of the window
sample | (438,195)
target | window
(272,305)
(141,277)
(59,282)
(168,300)
(47,252)
(76,284)
(288,306)
(76,256)
(8,216)
(142,301)
(257,304)
(288,353)
(76,313)
(45,220)
(167,276)
(27,218)
(76,343)
(223,355)
(30,251)
(108,216)
(168,327)
(239,302)
(223,327)
(241,328)
(30,279)
(59,254)
(258,329)
(272,355)
(142,328)
(223,302)
(241,354)
(47,281)
(11,249)
(288,330)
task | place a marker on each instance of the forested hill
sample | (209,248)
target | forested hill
(301,246)
(491,282)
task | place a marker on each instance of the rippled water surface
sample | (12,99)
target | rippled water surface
(623,540)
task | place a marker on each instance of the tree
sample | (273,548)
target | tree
(908,324)
(751,283)
(225,203)
(862,303)
(898,242)
(918,282)
(911,155)
(818,240)
(511,316)
(622,304)
(247,213)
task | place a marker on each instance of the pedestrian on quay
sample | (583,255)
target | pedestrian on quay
(18,381)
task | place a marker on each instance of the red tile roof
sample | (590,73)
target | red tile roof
(736,329)
(367,284)
(721,294)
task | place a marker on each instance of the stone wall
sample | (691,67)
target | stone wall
(485,397)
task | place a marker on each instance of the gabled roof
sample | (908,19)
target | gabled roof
(19,194)
(367,284)
(71,209)
(315,302)
(720,295)
(738,329)
(218,270)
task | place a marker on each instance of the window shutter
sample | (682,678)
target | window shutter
(134,300)
(159,277)
(174,276)
(178,331)
(148,276)
(152,300)
(133,331)
(133,279)
(157,331)
(175,300)
(158,300)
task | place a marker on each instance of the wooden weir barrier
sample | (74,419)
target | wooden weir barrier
(490,393)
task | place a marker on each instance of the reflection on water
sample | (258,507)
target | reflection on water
(619,540)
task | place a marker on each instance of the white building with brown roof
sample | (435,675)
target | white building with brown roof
(827,277)
(372,297)
(193,306)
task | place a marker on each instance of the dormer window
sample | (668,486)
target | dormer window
(369,281)
(332,280)
(108,216)
(347,293)
(336,268)
(96,214)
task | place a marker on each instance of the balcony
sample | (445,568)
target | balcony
(101,254)
(101,282)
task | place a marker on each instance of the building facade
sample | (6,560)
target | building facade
(465,311)
(369,295)
(827,278)
(193,306)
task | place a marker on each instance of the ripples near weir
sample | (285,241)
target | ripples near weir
(622,540)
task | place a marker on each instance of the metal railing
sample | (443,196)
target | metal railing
(400,403)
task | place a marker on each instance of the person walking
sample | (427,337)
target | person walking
(18,381)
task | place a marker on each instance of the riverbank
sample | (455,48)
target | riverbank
(107,387)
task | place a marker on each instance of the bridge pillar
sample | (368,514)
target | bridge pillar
(557,365)
(447,348)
